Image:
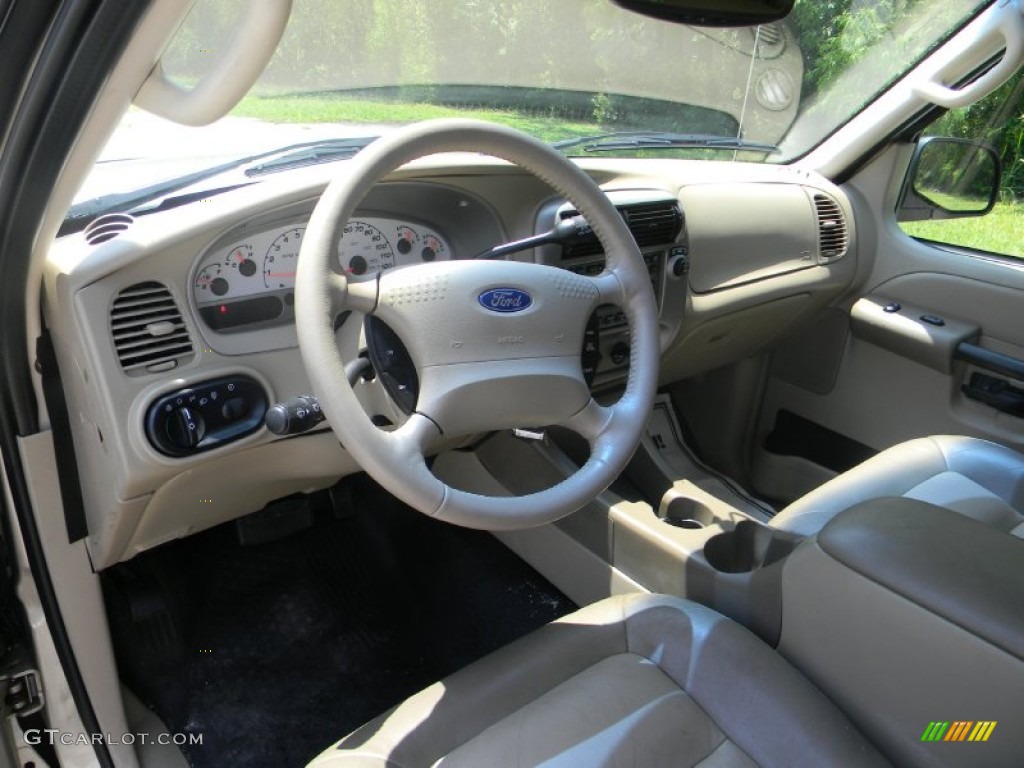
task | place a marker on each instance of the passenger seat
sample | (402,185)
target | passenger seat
(977,478)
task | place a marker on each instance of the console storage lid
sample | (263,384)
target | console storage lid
(908,615)
(967,572)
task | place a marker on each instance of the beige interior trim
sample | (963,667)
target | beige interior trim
(574,569)
(60,706)
(902,328)
(78,594)
(148,41)
(198,497)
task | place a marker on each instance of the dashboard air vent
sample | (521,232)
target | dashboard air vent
(657,223)
(654,223)
(833,237)
(107,227)
(149,332)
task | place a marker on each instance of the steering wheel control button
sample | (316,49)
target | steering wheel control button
(392,363)
(295,416)
(892,306)
(590,356)
(620,353)
(205,416)
(505,300)
(933,320)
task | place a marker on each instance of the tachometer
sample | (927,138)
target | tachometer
(364,249)
(282,256)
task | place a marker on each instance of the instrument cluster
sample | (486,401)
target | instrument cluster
(252,280)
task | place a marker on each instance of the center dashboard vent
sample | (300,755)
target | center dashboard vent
(149,333)
(657,223)
(833,236)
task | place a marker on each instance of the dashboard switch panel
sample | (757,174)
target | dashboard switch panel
(205,415)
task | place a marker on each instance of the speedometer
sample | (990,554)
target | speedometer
(364,249)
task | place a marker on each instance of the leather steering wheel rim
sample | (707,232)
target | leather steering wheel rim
(518,348)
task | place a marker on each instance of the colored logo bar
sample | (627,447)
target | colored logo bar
(958,730)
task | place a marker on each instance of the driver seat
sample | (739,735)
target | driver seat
(634,680)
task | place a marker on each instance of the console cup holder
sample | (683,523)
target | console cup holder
(685,512)
(747,547)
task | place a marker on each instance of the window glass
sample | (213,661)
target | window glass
(998,120)
(585,75)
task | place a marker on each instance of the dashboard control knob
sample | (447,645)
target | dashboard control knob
(186,428)
(679,266)
(205,415)
(620,353)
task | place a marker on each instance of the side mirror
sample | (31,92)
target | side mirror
(712,13)
(949,179)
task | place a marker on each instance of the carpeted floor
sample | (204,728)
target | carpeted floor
(274,651)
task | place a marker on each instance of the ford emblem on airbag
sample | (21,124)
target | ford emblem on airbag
(505,300)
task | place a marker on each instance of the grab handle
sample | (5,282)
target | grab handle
(243,60)
(1007,32)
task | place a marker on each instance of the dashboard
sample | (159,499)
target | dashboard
(178,335)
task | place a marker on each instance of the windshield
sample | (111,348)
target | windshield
(565,70)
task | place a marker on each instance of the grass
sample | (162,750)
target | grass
(325,108)
(1000,231)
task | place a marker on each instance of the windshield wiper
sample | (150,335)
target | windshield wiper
(321,152)
(306,153)
(606,142)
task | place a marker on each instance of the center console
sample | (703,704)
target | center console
(656,222)
(697,546)
(688,543)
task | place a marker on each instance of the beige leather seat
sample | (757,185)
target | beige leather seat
(640,680)
(977,478)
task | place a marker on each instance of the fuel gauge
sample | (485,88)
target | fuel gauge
(211,282)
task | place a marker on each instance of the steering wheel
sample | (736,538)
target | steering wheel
(495,344)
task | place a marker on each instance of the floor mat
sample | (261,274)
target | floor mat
(274,651)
